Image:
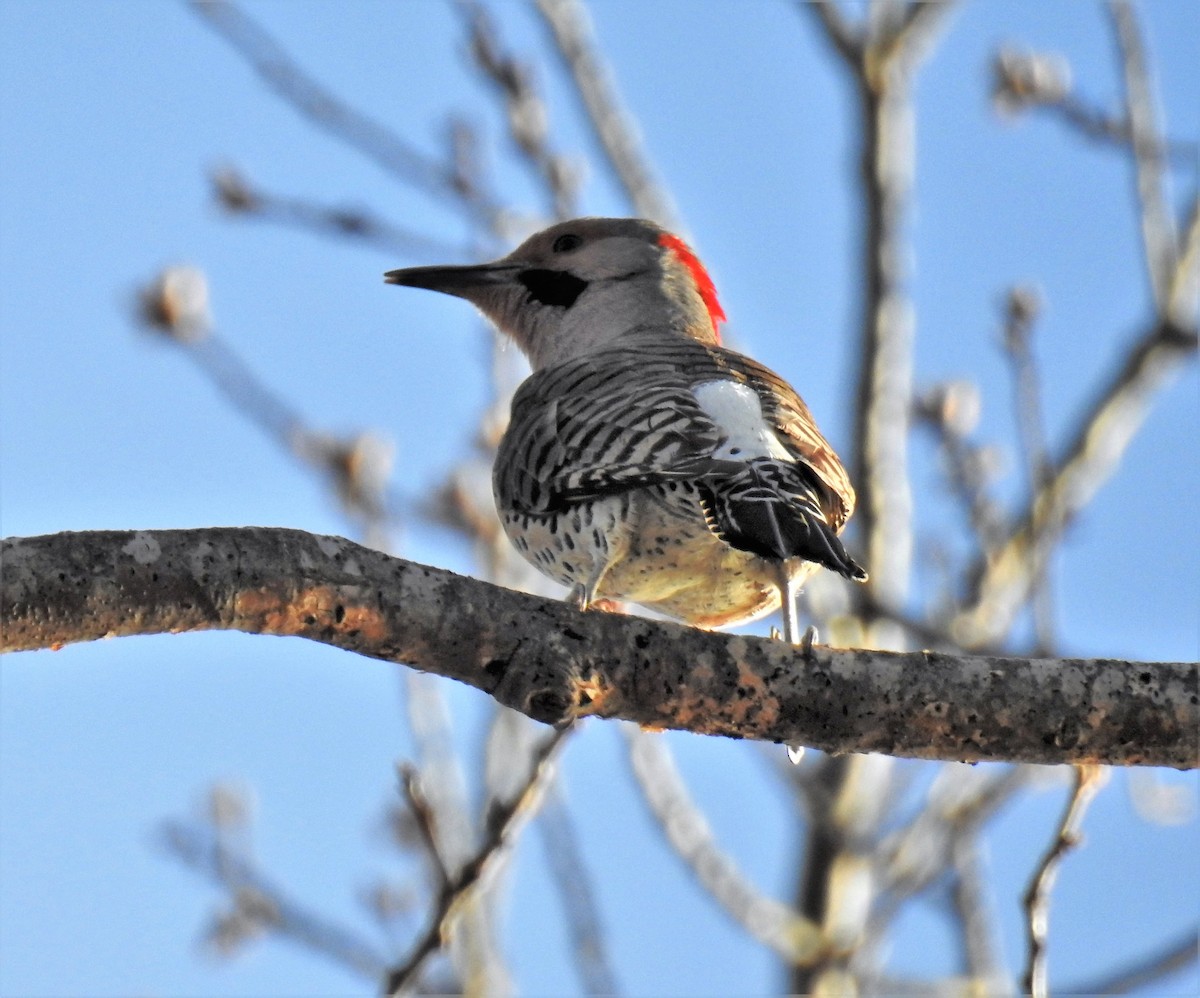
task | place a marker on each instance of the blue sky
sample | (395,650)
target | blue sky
(110,117)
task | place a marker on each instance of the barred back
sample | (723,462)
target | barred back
(626,418)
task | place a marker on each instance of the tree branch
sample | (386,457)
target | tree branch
(320,106)
(553,663)
(684,825)
(882,70)
(1088,781)
(260,904)
(1158,228)
(237,195)
(454,891)
(1093,454)
(570,27)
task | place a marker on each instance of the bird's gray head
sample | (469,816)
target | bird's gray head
(578,285)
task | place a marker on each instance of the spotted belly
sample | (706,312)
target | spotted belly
(652,547)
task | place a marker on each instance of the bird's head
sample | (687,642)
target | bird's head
(578,285)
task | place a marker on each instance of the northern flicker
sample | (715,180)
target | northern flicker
(644,461)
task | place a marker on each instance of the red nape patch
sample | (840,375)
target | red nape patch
(704,284)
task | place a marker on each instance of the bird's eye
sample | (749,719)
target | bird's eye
(564,244)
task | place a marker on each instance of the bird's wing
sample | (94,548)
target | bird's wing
(600,424)
(787,412)
(613,421)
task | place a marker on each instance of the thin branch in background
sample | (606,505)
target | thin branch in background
(1183,294)
(1158,226)
(1098,125)
(260,906)
(1023,80)
(1175,956)
(614,127)
(846,38)
(1092,455)
(960,801)
(974,915)
(1093,452)
(881,57)
(526,110)
(1088,781)
(685,827)
(916,857)
(1022,307)
(920,22)
(175,306)
(425,821)
(569,869)
(444,789)
(502,827)
(881,61)
(951,411)
(236,195)
(327,111)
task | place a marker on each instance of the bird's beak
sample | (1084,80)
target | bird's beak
(462,282)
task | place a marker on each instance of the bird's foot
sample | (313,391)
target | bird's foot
(578,597)
(807,640)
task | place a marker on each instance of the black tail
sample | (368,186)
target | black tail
(771,510)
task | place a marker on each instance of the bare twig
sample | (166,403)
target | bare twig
(570,27)
(1184,288)
(444,792)
(502,827)
(574,882)
(1158,227)
(881,56)
(770,921)
(1088,781)
(261,905)
(919,23)
(239,197)
(327,111)
(175,305)
(882,69)
(1095,124)
(527,113)
(836,884)
(426,823)
(1093,453)
(840,33)
(960,801)
(1171,958)
(950,410)
(442,780)
(973,910)
(1110,423)
(1025,80)
(1112,420)
(1020,314)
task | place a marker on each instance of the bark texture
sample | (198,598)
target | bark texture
(553,663)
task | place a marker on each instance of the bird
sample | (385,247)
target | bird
(644,462)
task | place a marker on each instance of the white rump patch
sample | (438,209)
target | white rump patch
(737,410)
